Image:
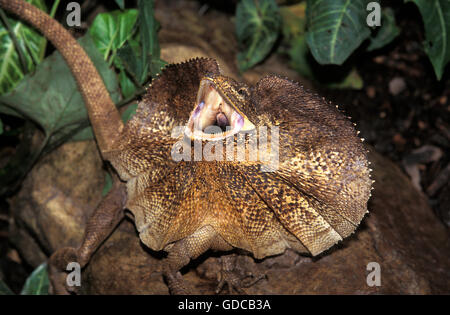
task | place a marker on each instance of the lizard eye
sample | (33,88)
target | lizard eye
(243,91)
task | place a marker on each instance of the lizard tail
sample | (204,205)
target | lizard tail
(103,114)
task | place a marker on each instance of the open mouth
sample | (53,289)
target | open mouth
(213,117)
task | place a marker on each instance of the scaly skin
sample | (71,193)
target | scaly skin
(316,197)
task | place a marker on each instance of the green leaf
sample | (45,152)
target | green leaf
(129,112)
(121,4)
(352,81)
(129,57)
(4,289)
(108,184)
(131,61)
(29,41)
(37,283)
(84,134)
(111,30)
(148,29)
(156,66)
(302,62)
(298,54)
(126,85)
(436,18)
(257,28)
(1,127)
(386,33)
(335,28)
(56,104)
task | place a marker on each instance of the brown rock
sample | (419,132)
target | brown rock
(55,200)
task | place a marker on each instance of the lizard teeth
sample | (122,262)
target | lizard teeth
(198,109)
(237,121)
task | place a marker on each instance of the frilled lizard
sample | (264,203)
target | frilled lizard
(315,196)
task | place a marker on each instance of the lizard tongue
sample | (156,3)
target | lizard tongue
(222,120)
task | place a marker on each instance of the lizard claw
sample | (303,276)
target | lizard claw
(231,277)
(176,284)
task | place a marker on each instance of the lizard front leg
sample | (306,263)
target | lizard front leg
(105,218)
